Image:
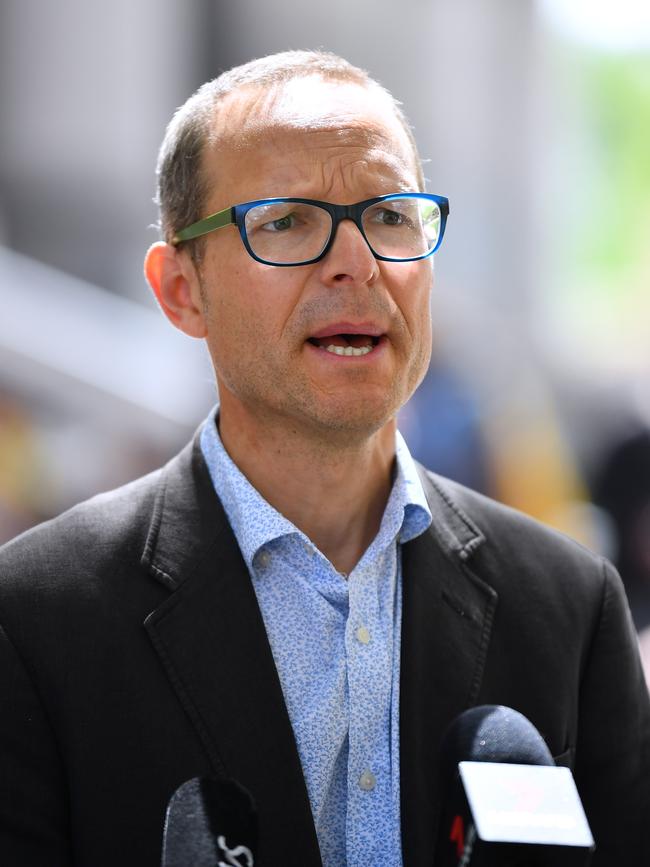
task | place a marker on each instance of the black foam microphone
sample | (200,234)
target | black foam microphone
(210,823)
(506,803)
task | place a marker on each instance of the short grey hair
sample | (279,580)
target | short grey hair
(181,187)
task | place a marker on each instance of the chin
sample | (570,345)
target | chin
(353,420)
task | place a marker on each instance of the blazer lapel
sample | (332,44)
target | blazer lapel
(211,640)
(446,623)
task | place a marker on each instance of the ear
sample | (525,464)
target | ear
(174,280)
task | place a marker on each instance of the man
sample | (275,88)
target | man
(291,602)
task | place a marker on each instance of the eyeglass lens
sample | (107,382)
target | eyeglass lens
(295,232)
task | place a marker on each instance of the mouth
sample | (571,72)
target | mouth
(350,341)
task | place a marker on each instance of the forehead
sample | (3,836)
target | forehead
(308,134)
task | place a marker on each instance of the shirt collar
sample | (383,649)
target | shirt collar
(255,522)
(411,503)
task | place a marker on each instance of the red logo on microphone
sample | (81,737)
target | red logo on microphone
(457,835)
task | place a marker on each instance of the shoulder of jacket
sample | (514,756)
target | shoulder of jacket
(513,533)
(85,532)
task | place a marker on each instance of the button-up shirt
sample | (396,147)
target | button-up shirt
(335,641)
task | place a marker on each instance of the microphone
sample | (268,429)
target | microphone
(210,823)
(507,804)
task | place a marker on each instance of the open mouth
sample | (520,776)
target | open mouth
(346,344)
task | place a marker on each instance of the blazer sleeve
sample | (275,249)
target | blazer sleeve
(34,818)
(613,759)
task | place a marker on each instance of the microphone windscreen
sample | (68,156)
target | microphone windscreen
(492,733)
(205,818)
(506,803)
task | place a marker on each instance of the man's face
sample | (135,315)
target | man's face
(268,328)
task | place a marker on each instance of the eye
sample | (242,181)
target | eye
(280,225)
(390,217)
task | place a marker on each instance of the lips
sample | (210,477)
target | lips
(369,329)
(345,338)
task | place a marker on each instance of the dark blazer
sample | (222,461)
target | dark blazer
(133,656)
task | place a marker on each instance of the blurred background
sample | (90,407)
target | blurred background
(532,117)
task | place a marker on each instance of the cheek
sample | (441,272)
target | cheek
(423,334)
(427,323)
(224,311)
(424,299)
(248,307)
(413,296)
(417,300)
(422,343)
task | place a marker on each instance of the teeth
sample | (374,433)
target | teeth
(348,350)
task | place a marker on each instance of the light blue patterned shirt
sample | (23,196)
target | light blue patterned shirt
(336,646)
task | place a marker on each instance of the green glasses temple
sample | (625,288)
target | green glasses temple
(208,224)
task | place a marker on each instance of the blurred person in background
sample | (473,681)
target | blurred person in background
(621,486)
(23,474)
(293,602)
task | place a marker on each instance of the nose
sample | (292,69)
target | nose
(349,259)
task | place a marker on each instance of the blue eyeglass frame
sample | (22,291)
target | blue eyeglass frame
(236,215)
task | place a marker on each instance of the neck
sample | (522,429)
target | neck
(335,493)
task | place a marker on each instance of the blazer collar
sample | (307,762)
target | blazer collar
(455,530)
(188,518)
(210,637)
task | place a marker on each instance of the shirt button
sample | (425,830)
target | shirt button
(363,635)
(264,558)
(367,781)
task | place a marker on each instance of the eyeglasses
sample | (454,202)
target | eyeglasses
(400,227)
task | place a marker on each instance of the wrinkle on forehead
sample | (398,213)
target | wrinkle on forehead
(341,166)
(329,115)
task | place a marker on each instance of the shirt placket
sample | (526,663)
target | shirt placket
(369,644)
